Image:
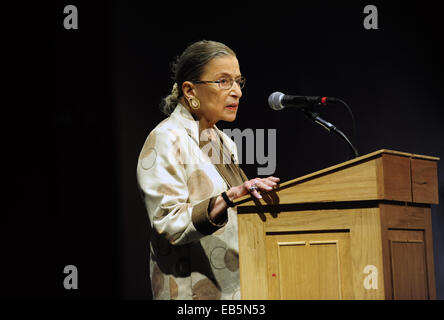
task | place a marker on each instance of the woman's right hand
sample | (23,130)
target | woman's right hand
(253,186)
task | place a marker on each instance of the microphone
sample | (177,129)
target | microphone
(278,101)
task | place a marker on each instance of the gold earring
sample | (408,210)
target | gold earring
(194,103)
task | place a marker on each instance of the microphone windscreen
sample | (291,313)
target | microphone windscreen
(274,100)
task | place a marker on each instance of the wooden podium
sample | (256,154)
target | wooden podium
(357,230)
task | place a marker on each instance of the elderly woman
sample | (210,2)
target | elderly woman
(189,176)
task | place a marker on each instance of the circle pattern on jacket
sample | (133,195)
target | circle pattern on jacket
(148,154)
(205,289)
(200,186)
(157,281)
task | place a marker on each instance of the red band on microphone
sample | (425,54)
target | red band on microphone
(324,100)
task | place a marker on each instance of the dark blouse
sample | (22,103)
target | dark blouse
(230,171)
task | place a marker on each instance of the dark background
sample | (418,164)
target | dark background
(73,196)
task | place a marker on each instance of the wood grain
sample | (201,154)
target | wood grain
(425,181)
(299,242)
(395,183)
(252,258)
(407,247)
(381,175)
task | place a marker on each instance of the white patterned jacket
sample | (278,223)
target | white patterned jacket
(190,256)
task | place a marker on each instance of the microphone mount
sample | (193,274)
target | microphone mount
(329,127)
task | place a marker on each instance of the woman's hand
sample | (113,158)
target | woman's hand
(253,186)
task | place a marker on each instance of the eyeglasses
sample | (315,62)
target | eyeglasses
(226,83)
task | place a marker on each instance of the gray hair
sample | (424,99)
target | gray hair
(189,66)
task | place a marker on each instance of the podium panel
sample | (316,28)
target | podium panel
(312,253)
(309,265)
(409,275)
(408,251)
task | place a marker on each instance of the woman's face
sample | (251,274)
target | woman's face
(217,103)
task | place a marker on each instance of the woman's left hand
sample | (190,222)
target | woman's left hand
(253,187)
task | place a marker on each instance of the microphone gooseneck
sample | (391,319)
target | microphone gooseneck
(331,128)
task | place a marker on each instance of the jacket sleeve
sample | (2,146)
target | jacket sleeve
(162,179)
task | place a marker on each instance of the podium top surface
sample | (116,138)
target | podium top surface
(359,159)
(340,166)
